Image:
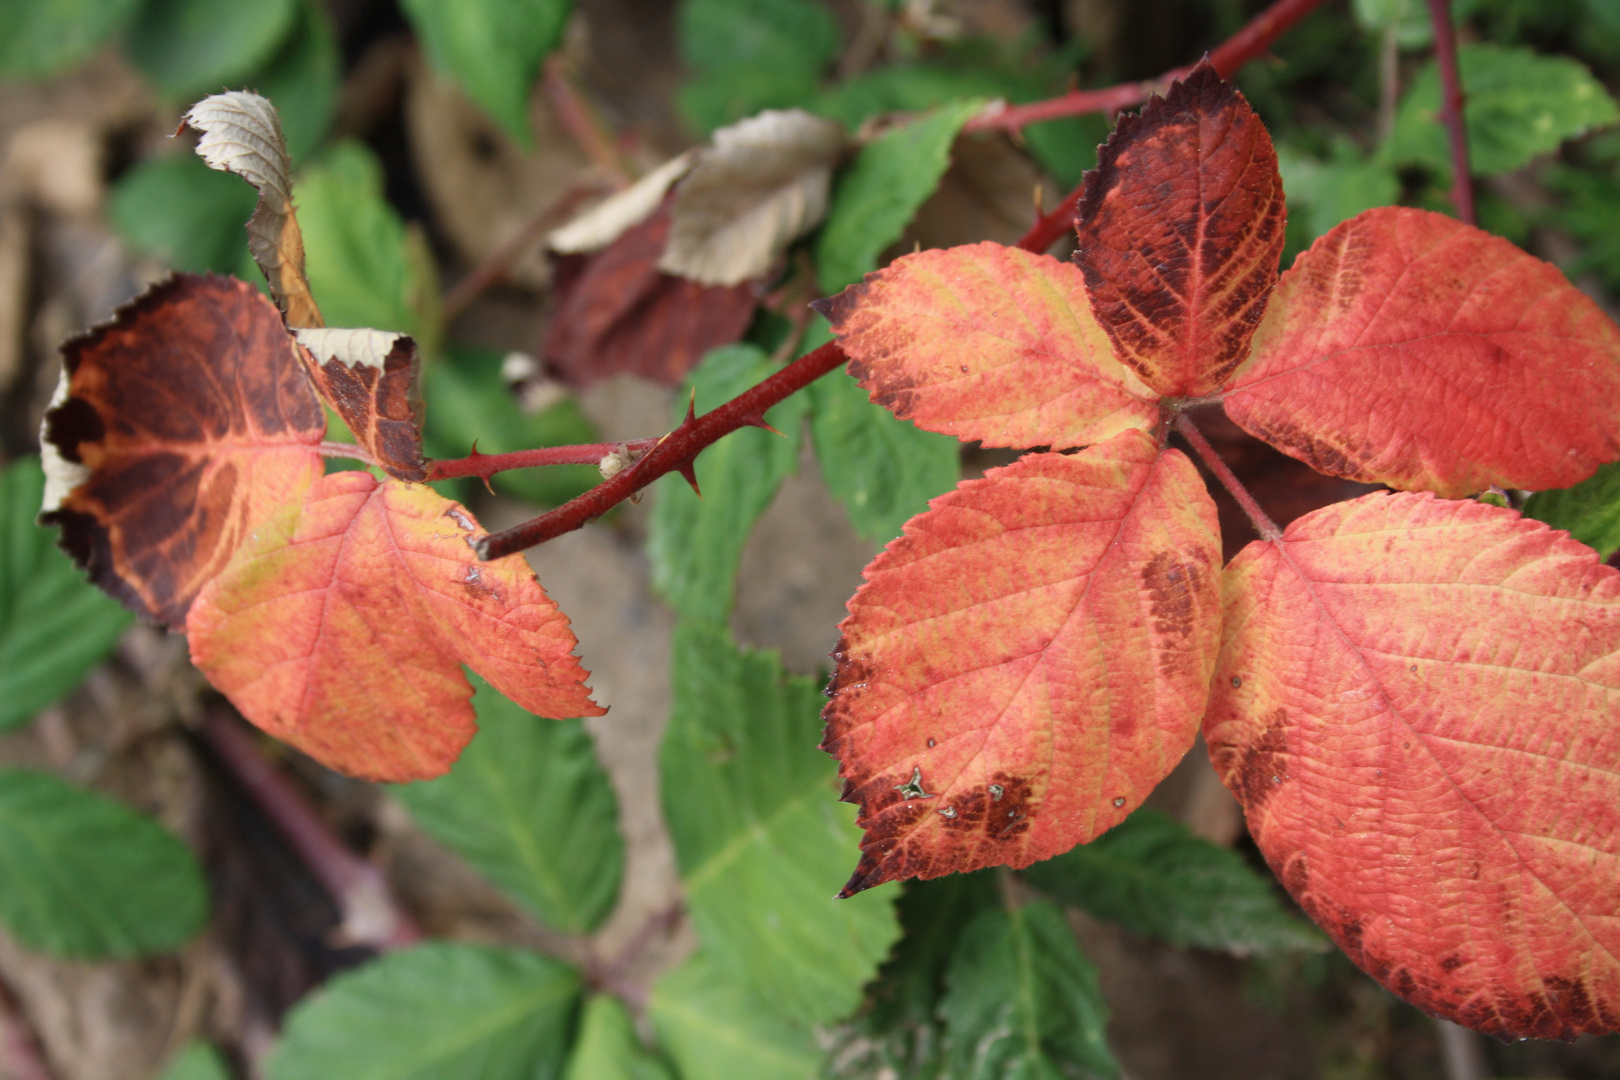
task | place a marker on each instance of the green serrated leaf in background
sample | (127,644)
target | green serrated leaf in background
(87,878)
(876,197)
(1409,20)
(41,37)
(1022,1001)
(748,55)
(471,403)
(189,48)
(528,805)
(882,469)
(761,842)
(1323,193)
(1154,876)
(356,249)
(198,1061)
(439,1011)
(1590,510)
(54,625)
(492,49)
(301,79)
(178,209)
(714,1028)
(1519,106)
(608,1047)
(695,544)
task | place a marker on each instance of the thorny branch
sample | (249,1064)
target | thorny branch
(676,451)
(1451,109)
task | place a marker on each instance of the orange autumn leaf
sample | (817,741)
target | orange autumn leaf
(1180,230)
(991,343)
(1417,703)
(1027,661)
(342,627)
(177,427)
(369,378)
(1409,349)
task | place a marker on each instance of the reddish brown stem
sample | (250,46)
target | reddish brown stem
(1451,109)
(577,118)
(1251,41)
(371,916)
(485,466)
(21,1057)
(1206,453)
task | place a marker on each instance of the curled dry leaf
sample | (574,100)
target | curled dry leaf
(177,427)
(1180,230)
(990,343)
(370,378)
(609,219)
(1027,661)
(1409,349)
(241,134)
(1416,703)
(342,627)
(616,313)
(762,185)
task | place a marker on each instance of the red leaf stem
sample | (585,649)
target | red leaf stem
(1206,453)
(1451,109)
(485,466)
(582,125)
(371,915)
(1251,41)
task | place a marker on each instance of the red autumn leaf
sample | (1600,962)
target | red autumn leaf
(991,343)
(369,378)
(1180,229)
(1027,661)
(617,313)
(179,425)
(343,626)
(1416,703)
(1409,349)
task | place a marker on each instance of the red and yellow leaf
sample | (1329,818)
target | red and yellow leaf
(1417,704)
(990,343)
(1409,349)
(1027,661)
(178,426)
(1180,229)
(343,626)
(369,378)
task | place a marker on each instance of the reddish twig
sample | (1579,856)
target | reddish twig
(485,466)
(1212,461)
(1251,41)
(21,1057)
(577,118)
(371,916)
(1451,109)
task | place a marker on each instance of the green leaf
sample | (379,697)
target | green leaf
(876,196)
(715,1029)
(355,245)
(41,37)
(492,49)
(87,878)
(54,625)
(188,48)
(1023,1001)
(695,544)
(1409,19)
(748,55)
(1519,106)
(198,1061)
(608,1047)
(439,1011)
(1588,205)
(1155,877)
(183,212)
(881,468)
(1334,191)
(301,79)
(529,806)
(1590,510)
(471,404)
(761,841)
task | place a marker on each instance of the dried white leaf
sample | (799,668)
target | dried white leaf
(61,475)
(761,186)
(369,348)
(605,222)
